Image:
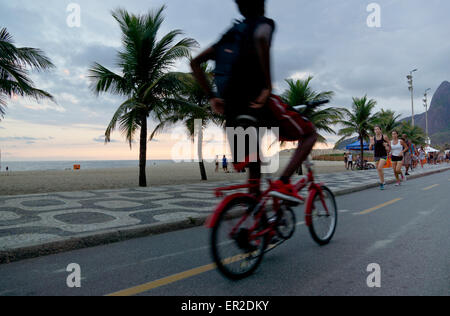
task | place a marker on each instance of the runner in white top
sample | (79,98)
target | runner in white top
(398,148)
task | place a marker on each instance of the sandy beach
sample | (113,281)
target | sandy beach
(30,182)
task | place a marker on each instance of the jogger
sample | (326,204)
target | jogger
(398,149)
(380,144)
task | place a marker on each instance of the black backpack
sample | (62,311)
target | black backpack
(228,52)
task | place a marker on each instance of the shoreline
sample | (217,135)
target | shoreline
(50,181)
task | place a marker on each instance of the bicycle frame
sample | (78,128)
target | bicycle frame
(262,200)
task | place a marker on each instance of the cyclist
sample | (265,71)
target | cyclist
(380,144)
(249,92)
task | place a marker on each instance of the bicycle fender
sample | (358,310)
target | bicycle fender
(212,219)
(309,204)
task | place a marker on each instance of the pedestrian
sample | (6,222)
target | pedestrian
(412,154)
(346,160)
(350,161)
(225,164)
(398,149)
(407,156)
(380,144)
(217,163)
(422,156)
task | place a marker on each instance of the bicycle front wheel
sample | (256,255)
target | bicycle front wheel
(237,243)
(323,216)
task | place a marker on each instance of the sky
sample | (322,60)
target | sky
(351,47)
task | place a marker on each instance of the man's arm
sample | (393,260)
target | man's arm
(199,74)
(217,104)
(262,40)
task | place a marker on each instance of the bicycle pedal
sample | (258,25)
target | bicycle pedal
(274,245)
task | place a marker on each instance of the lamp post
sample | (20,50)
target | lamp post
(425,103)
(411,88)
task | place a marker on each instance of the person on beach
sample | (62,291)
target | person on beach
(246,90)
(398,149)
(225,164)
(380,145)
(350,161)
(217,164)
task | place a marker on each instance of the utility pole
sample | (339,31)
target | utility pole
(411,88)
(425,103)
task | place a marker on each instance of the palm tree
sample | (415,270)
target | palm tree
(300,92)
(415,133)
(359,121)
(145,80)
(388,121)
(199,110)
(14,73)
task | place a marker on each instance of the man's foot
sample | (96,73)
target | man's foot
(285,192)
(382,186)
(398,184)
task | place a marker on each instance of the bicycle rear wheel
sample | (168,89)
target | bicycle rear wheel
(323,220)
(237,246)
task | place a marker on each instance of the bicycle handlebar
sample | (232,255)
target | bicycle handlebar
(317,103)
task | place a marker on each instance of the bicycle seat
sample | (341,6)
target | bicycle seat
(246,121)
(311,104)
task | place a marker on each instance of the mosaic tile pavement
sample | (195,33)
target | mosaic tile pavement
(43,218)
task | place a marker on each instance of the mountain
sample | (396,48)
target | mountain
(438,116)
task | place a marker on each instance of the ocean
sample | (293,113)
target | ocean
(63,165)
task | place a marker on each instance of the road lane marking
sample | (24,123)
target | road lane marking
(165,281)
(176,277)
(370,210)
(430,187)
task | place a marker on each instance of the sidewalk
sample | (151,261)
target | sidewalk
(41,224)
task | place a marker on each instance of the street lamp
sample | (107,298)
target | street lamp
(425,103)
(411,88)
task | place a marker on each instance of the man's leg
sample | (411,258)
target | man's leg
(303,150)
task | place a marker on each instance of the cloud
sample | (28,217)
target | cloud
(24,138)
(101,139)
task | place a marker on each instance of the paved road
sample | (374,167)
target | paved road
(405,230)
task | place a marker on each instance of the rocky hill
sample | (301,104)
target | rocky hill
(438,116)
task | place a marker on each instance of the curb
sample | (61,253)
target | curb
(112,236)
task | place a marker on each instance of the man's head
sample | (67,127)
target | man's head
(251,8)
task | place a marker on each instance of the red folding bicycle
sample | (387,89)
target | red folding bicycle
(245,227)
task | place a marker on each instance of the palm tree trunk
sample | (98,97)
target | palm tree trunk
(361,141)
(200,154)
(143,153)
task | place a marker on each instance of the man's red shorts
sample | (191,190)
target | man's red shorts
(293,126)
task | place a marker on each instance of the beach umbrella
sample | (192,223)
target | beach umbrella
(357,146)
(431,150)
